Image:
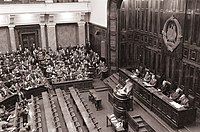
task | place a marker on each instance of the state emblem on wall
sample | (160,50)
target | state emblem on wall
(172,33)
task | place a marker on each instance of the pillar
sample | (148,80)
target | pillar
(81,32)
(12,37)
(43,37)
(51,36)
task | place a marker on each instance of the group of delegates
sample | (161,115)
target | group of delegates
(8,119)
(150,80)
(25,69)
(71,63)
(19,72)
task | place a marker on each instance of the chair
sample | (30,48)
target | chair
(90,114)
(39,125)
(36,106)
(38,114)
(67,101)
(94,120)
(81,97)
(37,111)
(79,129)
(87,108)
(54,110)
(98,127)
(82,100)
(38,119)
(85,104)
(71,109)
(74,119)
(72,114)
(53,106)
(69,106)
(55,114)
(56,119)
(77,124)
(57,124)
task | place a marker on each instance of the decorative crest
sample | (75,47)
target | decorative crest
(172,33)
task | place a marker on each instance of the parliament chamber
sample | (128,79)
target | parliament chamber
(99,65)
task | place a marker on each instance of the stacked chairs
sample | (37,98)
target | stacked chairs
(55,115)
(91,116)
(37,124)
(72,113)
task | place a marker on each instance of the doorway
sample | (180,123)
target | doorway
(27,36)
(28,40)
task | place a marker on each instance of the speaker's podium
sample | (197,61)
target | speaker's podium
(122,100)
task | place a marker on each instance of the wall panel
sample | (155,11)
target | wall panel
(145,38)
(67,34)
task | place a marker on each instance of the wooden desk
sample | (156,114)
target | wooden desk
(93,96)
(48,113)
(159,103)
(90,125)
(113,120)
(83,84)
(65,111)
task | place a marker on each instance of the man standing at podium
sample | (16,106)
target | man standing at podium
(126,90)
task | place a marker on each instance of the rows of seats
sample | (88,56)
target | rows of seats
(91,116)
(50,112)
(55,114)
(37,123)
(16,115)
(72,113)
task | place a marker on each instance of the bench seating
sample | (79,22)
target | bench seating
(48,113)
(72,123)
(84,111)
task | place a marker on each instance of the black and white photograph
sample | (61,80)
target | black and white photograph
(99,65)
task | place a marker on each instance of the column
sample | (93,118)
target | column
(51,36)
(43,37)
(12,37)
(81,33)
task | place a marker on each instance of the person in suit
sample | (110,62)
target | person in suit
(165,88)
(184,101)
(147,77)
(126,90)
(153,80)
(176,95)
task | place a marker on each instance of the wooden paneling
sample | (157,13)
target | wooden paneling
(98,39)
(4,39)
(145,38)
(67,34)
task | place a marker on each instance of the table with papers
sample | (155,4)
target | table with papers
(171,112)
